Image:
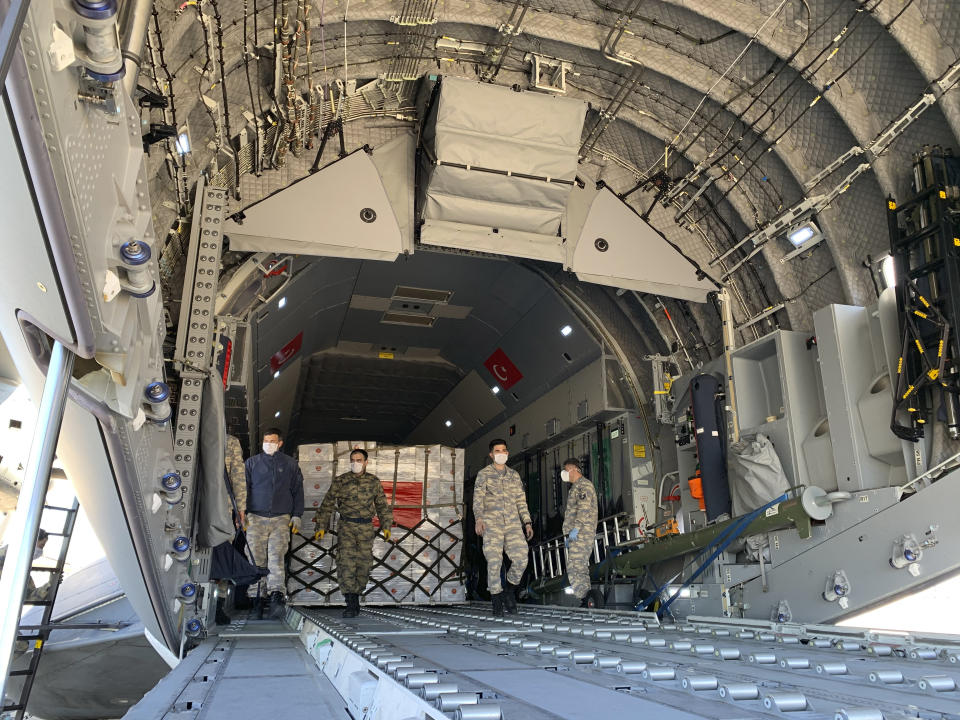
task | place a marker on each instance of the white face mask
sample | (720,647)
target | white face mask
(500,458)
(356,467)
(270,448)
(565,475)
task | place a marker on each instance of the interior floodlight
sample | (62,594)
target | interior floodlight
(183,143)
(566,330)
(276,374)
(803,237)
(448,423)
(802,233)
(495,389)
(282,303)
(888,271)
(277,414)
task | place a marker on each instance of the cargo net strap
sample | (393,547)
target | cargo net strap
(398,561)
(929,363)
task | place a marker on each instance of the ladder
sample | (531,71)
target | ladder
(37,635)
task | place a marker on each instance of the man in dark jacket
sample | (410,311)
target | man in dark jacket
(274,507)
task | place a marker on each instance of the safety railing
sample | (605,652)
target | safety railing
(549,559)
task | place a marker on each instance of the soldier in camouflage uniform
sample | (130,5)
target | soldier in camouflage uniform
(233,460)
(579,527)
(274,506)
(500,507)
(356,495)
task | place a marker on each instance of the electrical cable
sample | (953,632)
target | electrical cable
(720,79)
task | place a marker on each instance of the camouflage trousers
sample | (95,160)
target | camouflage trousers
(269,539)
(578,567)
(498,539)
(354,555)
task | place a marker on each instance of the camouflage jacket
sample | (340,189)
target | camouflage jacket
(233,460)
(581,509)
(498,497)
(355,496)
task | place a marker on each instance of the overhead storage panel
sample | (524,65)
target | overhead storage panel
(344,210)
(496,158)
(610,244)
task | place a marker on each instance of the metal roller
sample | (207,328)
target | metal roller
(583,657)
(766,637)
(699,682)
(880,650)
(448,702)
(937,683)
(402,672)
(923,654)
(384,660)
(762,658)
(795,663)
(728,653)
(822,642)
(656,642)
(432,692)
(414,681)
(606,661)
(562,652)
(659,673)
(849,645)
(861,713)
(681,645)
(638,639)
(530,644)
(739,691)
(515,642)
(785,702)
(631,667)
(832,668)
(547,649)
(887,677)
(621,636)
(487,711)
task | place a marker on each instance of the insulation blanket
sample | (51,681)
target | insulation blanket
(756,475)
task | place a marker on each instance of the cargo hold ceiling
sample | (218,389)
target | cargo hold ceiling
(710,117)
(367,349)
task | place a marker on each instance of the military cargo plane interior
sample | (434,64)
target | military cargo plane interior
(486,359)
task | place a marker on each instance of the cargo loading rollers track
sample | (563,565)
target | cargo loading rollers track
(553,662)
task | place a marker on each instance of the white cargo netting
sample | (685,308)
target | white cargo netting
(424,486)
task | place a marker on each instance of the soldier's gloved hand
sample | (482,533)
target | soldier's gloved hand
(386,534)
(528,529)
(318,535)
(573,534)
(295,525)
(566,542)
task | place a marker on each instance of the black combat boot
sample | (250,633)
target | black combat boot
(222,617)
(276,604)
(510,598)
(585,601)
(353,605)
(497,601)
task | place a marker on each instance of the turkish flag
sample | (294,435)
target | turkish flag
(279,358)
(504,371)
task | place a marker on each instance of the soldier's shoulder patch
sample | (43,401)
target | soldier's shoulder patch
(583,496)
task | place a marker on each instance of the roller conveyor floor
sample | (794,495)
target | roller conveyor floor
(573,664)
(396,663)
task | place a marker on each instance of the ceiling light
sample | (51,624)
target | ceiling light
(803,237)
(799,235)
(448,423)
(277,414)
(566,330)
(283,301)
(276,374)
(495,389)
(183,143)
(888,271)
